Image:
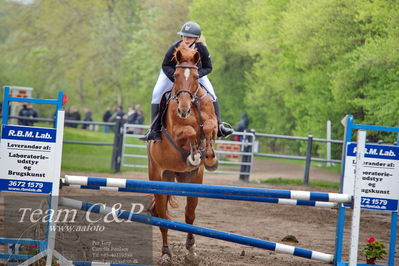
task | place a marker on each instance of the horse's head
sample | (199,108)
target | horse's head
(186,79)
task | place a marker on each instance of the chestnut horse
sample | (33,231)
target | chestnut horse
(188,137)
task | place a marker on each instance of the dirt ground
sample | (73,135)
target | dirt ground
(313,227)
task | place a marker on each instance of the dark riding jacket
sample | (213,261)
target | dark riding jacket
(204,65)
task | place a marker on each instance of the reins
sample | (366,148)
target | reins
(197,103)
(184,154)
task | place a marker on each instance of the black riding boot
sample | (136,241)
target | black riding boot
(155,131)
(222,130)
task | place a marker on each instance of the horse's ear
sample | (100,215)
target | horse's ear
(178,56)
(196,57)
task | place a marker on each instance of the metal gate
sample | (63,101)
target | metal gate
(235,154)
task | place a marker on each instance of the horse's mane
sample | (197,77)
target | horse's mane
(186,52)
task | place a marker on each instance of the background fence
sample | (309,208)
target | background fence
(235,156)
(236,153)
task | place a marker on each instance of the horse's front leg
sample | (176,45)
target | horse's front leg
(187,137)
(194,159)
(210,130)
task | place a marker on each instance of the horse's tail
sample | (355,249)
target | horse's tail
(152,209)
(171,200)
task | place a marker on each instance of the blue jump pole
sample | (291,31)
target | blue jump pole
(241,191)
(214,196)
(197,230)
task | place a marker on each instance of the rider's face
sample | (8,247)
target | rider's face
(189,40)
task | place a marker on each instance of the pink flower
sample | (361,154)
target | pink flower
(370,239)
(32,246)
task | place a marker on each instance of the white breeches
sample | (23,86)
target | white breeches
(164,84)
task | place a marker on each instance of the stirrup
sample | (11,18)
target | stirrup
(156,136)
(145,137)
(225,129)
(152,135)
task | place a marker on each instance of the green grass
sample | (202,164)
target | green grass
(86,158)
(298,182)
(92,158)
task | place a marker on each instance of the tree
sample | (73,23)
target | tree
(366,80)
(221,22)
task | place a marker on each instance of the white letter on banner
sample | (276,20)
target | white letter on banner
(23,214)
(90,210)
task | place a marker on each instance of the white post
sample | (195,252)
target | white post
(56,186)
(361,143)
(328,143)
(56,174)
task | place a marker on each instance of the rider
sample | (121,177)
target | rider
(190,34)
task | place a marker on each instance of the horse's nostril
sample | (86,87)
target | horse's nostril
(183,114)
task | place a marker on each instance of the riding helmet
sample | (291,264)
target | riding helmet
(190,29)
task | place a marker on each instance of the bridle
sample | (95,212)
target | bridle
(193,96)
(196,101)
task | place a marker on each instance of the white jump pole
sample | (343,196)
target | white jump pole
(361,143)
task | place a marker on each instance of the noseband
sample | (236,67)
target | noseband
(192,95)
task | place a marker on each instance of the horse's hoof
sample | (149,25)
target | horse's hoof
(194,162)
(191,251)
(190,242)
(191,258)
(212,167)
(166,251)
(166,260)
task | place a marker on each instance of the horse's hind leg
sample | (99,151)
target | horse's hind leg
(160,210)
(192,203)
(161,202)
(190,217)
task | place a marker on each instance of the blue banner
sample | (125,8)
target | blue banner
(379,204)
(29,133)
(376,151)
(25,186)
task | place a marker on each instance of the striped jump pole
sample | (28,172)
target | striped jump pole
(321,204)
(197,230)
(228,190)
